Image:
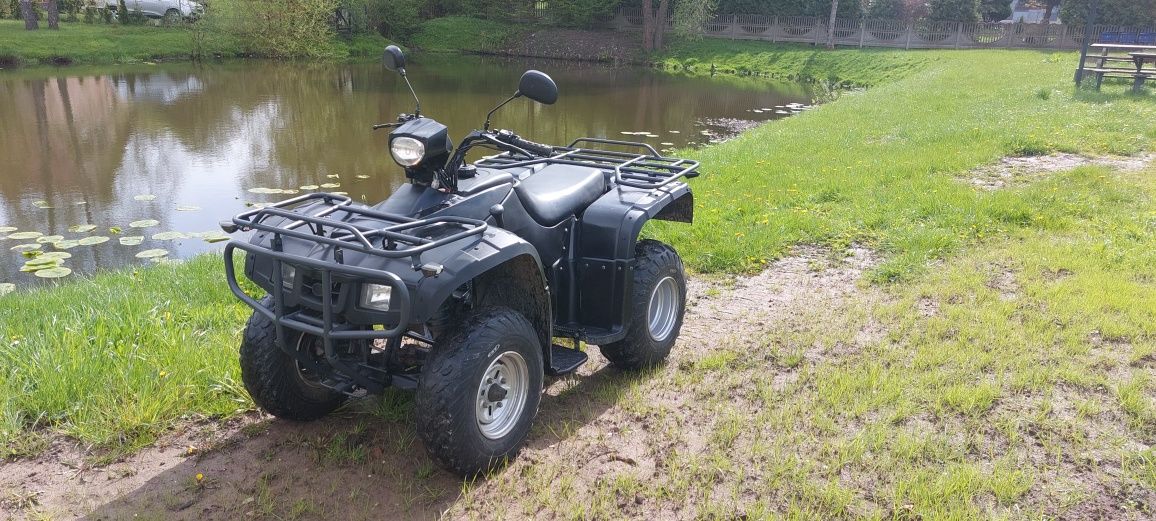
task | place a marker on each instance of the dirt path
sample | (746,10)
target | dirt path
(366,463)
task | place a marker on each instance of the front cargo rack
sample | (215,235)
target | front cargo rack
(648,170)
(402,237)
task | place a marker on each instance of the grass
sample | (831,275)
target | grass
(117,359)
(876,167)
(79,43)
(1017,328)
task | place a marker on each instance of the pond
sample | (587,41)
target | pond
(110,166)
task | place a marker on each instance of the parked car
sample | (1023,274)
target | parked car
(170,10)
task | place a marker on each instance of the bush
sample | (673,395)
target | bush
(1132,13)
(954,10)
(995,10)
(279,28)
(888,9)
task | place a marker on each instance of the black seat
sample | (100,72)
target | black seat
(559,191)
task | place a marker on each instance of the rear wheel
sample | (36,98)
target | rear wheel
(658,305)
(172,17)
(479,392)
(276,381)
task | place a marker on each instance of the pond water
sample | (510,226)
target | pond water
(91,153)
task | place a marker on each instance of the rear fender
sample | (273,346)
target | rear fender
(609,232)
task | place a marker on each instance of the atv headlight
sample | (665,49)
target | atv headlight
(288,272)
(407,151)
(376,296)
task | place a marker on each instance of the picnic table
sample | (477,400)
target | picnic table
(1110,62)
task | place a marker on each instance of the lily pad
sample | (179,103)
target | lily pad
(49,238)
(31,254)
(168,236)
(66,245)
(264,190)
(8,229)
(54,273)
(131,241)
(40,264)
(331,185)
(310,187)
(26,247)
(115,230)
(152,254)
(667,144)
(25,235)
(56,255)
(6,288)
(92,241)
(213,238)
(290,192)
(188,208)
(361,176)
(333,176)
(144,223)
(145,197)
(82,228)
(43,205)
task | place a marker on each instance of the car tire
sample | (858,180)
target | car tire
(479,392)
(658,303)
(171,17)
(275,380)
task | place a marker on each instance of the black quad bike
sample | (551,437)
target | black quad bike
(459,283)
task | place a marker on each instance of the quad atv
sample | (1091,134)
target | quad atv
(458,284)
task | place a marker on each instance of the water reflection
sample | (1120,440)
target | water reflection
(83,144)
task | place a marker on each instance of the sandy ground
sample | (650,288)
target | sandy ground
(1016,171)
(355,465)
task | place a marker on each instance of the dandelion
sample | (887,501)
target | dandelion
(200,477)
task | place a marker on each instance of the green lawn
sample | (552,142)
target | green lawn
(1013,378)
(79,43)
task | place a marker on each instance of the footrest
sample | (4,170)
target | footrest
(565,360)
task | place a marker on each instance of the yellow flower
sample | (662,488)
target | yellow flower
(200,477)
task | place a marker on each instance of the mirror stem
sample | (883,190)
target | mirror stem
(500,105)
(416,111)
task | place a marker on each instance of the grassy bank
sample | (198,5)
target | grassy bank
(1002,365)
(99,44)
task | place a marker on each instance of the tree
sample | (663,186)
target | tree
(954,10)
(691,17)
(995,10)
(1047,5)
(654,24)
(31,21)
(53,15)
(831,24)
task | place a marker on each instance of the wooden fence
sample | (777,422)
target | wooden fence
(894,33)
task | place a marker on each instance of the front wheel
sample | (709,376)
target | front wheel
(275,380)
(479,392)
(658,304)
(171,17)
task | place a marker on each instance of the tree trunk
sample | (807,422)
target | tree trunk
(647,26)
(663,14)
(831,24)
(30,21)
(53,15)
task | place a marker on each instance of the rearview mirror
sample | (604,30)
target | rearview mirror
(538,87)
(394,59)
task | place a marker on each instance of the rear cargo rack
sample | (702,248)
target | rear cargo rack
(647,170)
(403,237)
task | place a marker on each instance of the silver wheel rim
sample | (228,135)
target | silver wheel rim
(662,312)
(502,395)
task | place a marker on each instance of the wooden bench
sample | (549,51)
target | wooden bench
(1103,64)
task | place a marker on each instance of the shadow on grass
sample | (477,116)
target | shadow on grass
(363,462)
(1110,92)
